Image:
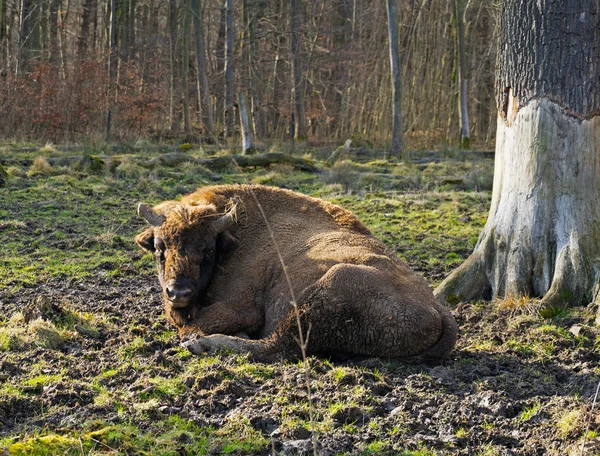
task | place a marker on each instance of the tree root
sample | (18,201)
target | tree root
(465,283)
(499,270)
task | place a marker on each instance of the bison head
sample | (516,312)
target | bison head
(186,241)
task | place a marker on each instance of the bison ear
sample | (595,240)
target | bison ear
(146,239)
(227,220)
(226,242)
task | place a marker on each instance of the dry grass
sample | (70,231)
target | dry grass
(40,167)
(518,305)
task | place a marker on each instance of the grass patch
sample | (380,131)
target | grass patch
(529,412)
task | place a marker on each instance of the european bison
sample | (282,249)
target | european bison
(221,276)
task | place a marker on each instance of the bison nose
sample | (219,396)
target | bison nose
(178,295)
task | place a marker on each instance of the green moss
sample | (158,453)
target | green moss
(452,299)
(48,445)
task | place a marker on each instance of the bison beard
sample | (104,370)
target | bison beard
(357,297)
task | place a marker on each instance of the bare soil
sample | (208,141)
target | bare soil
(487,397)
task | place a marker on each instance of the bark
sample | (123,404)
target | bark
(131,29)
(3,37)
(396,148)
(279,44)
(220,65)
(463,113)
(251,18)
(89,8)
(113,60)
(202,78)
(542,237)
(175,81)
(185,66)
(28,33)
(229,89)
(298,80)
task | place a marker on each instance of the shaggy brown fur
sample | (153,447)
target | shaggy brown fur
(357,297)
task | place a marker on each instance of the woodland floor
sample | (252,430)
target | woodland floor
(88,364)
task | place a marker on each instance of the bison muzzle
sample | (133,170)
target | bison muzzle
(224,256)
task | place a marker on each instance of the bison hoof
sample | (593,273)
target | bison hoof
(201,345)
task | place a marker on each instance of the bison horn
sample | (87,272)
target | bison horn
(225,221)
(147,213)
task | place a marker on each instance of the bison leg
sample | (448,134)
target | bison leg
(354,310)
(365,311)
(223,318)
(260,350)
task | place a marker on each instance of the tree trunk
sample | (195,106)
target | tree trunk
(202,78)
(247,146)
(542,236)
(396,149)
(220,66)
(297,71)
(175,82)
(113,59)
(89,7)
(279,44)
(27,33)
(185,67)
(3,38)
(131,30)
(463,113)
(256,117)
(55,6)
(229,90)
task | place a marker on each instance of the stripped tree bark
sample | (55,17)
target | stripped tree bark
(542,236)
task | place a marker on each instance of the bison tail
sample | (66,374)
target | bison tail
(445,344)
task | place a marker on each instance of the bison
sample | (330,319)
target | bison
(241,265)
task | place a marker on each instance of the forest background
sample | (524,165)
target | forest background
(65,63)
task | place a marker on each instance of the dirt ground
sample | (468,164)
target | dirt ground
(89,365)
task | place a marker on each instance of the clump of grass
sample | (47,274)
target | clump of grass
(553,312)
(12,338)
(277,175)
(518,305)
(129,169)
(48,149)
(45,334)
(41,167)
(480,177)
(343,172)
(44,325)
(352,176)
(529,412)
(567,423)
